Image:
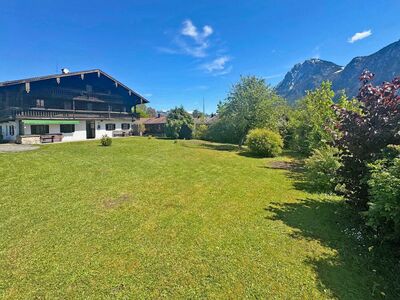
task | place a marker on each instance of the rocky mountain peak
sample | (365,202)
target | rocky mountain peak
(309,74)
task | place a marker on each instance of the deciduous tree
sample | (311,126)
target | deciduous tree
(252,104)
(364,134)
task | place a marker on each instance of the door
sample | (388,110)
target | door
(90,130)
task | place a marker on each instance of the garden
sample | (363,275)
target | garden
(270,201)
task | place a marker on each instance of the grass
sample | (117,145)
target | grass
(149,218)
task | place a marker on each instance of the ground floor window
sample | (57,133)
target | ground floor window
(39,129)
(110,126)
(11,130)
(67,128)
(125,126)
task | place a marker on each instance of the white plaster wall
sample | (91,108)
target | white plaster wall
(78,135)
(5,130)
(80,129)
(101,127)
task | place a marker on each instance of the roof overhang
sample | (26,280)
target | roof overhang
(49,122)
(99,72)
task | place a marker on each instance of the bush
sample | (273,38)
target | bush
(311,123)
(364,134)
(179,124)
(200,132)
(250,104)
(321,169)
(185,132)
(138,128)
(172,129)
(106,140)
(264,142)
(222,131)
(384,189)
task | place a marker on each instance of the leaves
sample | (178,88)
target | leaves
(311,124)
(179,124)
(253,104)
(365,132)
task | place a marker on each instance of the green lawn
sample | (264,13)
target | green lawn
(149,218)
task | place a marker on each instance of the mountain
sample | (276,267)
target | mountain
(306,76)
(385,64)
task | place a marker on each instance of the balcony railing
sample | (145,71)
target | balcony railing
(41,113)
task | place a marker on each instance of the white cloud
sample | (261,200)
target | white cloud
(359,36)
(167,50)
(207,30)
(316,52)
(218,66)
(189,29)
(274,76)
(192,49)
(198,43)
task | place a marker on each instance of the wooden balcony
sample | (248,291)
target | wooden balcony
(57,114)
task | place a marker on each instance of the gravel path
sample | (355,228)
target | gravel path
(16,148)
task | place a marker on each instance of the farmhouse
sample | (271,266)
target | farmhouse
(66,107)
(154,125)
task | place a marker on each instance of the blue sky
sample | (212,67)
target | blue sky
(177,52)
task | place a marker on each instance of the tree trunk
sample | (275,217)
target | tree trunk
(243,138)
(241,142)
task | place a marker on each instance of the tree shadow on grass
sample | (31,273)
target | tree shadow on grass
(357,269)
(248,153)
(231,148)
(221,147)
(296,173)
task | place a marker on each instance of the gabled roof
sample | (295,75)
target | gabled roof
(154,120)
(98,71)
(206,120)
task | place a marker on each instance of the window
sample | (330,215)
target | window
(40,103)
(67,128)
(110,126)
(39,129)
(90,106)
(125,126)
(11,129)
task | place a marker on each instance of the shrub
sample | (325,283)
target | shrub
(321,169)
(200,132)
(106,140)
(222,131)
(264,142)
(311,123)
(251,103)
(365,133)
(179,124)
(185,132)
(138,128)
(172,129)
(384,189)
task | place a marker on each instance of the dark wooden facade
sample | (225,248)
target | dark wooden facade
(80,95)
